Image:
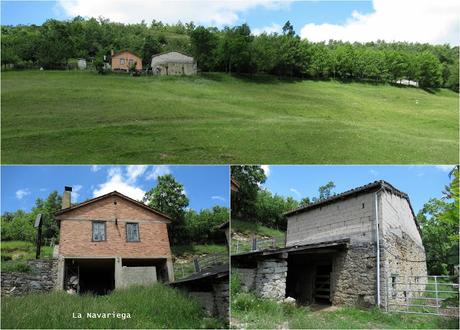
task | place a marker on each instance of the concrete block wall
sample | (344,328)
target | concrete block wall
(138,276)
(396,214)
(351,218)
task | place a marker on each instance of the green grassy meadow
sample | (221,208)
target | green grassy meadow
(156,306)
(82,117)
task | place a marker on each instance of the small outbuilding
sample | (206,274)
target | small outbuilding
(124,59)
(173,64)
(81,64)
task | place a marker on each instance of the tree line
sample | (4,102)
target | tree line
(187,226)
(257,204)
(233,50)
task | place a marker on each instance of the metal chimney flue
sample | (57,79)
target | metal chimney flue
(66,197)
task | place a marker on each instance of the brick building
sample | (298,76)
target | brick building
(109,242)
(352,248)
(124,59)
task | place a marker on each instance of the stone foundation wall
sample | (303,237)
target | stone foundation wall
(354,276)
(214,302)
(221,298)
(405,260)
(270,280)
(42,278)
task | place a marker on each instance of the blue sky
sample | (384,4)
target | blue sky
(390,20)
(205,186)
(420,182)
(37,12)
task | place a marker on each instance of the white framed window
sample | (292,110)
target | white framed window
(99,231)
(130,61)
(122,61)
(132,232)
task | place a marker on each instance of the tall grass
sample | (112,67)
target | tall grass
(156,306)
(249,311)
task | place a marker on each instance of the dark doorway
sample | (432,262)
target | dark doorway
(95,276)
(322,286)
(308,278)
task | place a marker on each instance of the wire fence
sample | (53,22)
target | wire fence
(255,244)
(198,264)
(431,295)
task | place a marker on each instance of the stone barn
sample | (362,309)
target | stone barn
(111,242)
(173,64)
(347,249)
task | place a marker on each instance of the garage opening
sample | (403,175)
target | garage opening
(309,278)
(96,276)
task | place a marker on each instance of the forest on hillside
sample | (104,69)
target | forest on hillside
(55,44)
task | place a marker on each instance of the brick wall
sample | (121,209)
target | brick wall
(76,231)
(127,56)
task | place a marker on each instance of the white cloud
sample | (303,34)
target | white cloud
(21,193)
(295,191)
(134,11)
(274,28)
(266,169)
(116,181)
(445,168)
(395,20)
(158,171)
(95,168)
(219,198)
(43,189)
(75,192)
(134,171)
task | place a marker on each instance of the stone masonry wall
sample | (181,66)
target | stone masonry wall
(221,298)
(214,302)
(270,280)
(404,260)
(42,278)
(354,276)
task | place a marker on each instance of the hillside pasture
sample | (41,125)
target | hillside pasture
(81,117)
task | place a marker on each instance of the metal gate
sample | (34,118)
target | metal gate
(433,295)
